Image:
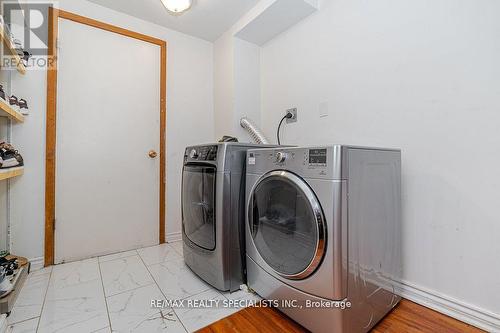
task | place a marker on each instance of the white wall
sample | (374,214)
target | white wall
(224,86)
(236,85)
(422,75)
(189,121)
(237,78)
(247,87)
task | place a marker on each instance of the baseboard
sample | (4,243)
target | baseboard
(37,264)
(449,306)
(174,237)
(3,324)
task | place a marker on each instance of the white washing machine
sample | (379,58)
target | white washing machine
(323,233)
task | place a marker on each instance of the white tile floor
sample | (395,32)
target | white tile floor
(113,294)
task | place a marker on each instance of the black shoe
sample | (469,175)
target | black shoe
(25,56)
(14,103)
(9,157)
(2,94)
(23,106)
(5,284)
(10,266)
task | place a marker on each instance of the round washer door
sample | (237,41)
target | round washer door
(287,224)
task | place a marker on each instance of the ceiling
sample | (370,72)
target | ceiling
(207,19)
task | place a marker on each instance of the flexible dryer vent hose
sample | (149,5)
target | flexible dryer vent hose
(254,131)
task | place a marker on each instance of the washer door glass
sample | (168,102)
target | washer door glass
(198,205)
(287,224)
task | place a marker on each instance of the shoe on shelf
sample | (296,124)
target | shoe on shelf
(5,284)
(2,94)
(14,103)
(9,274)
(23,106)
(9,157)
(9,264)
(6,145)
(21,52)
(25,57)
(5,287)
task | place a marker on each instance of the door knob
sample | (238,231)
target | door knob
(152,154)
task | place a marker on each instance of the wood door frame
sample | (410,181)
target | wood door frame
(50,153)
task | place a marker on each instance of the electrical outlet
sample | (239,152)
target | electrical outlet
(323,109)
(294,115)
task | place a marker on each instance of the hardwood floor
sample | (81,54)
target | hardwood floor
(411,317)
(407,317)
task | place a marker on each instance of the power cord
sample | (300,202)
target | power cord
(287,116)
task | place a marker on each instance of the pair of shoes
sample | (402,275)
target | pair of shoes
(2,94)
(6,286)
(9,157)
(19,105)
(8,269)
(9,263)
(25,57)
(10,266)
(23,54)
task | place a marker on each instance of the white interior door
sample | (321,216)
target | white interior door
(108,119)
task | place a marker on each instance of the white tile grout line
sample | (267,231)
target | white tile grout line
(104,294)
(44,299)
(180,321)
(22,321)
(126,291)
(24,285)
(129,290)
(161,291)
(179,253)
(128,256)
(146,285)
(189,296)
(100,329)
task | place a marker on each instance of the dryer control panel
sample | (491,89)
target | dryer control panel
(311,157)
(318,157)
(314,162)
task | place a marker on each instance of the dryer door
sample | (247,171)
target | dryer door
(287,224)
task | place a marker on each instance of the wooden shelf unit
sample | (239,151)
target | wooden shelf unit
(11,173)
(7,43)
(7,111)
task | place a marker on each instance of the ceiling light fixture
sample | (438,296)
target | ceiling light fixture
(177,6)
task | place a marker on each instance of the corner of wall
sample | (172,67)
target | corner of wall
(223,85)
